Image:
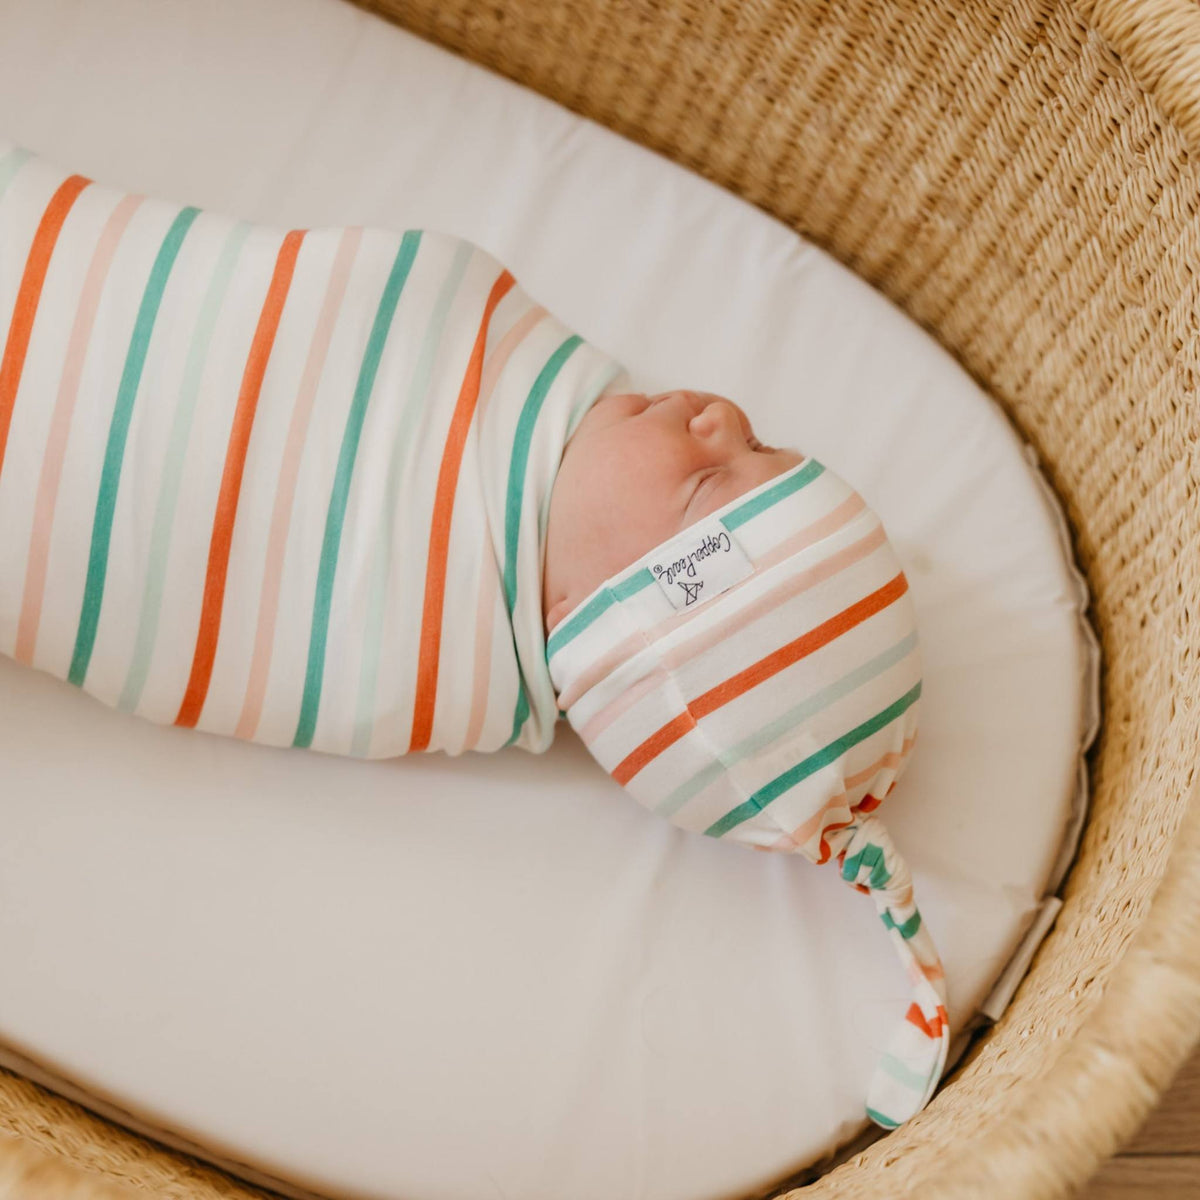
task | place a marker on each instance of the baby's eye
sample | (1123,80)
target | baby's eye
(704,485)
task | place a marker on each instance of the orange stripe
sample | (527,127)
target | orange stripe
(231,480)
(933,971)
(719,631)
(826,850)
(931,1029)
(439,533)
(756,673)
(29,295)
(60,427)
(285,489)
(793,544)
(654,745)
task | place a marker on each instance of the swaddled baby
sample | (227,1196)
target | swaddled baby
(354,490)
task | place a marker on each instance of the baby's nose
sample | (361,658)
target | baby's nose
(718,418)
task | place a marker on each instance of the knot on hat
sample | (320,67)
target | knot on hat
(773,701)
(908,1072)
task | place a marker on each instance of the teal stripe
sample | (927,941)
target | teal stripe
(172,472)
(589,395)
(802,770)
(907,929)
(601,603)
(340,496)
(788,721)
(414,406)
(591,611)
(118,432)
(10,164)
(871,855)
(892,1066)
(880,1119)
(514,497)
(522,441)
(596,607)
(786,486)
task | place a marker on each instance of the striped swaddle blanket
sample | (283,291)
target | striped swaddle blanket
(289,485)
(758,679)
(292,486)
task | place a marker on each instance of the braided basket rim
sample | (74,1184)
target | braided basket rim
(1097,1085)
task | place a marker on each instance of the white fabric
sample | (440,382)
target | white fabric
(284,956)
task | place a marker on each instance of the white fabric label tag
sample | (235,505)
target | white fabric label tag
(699,565)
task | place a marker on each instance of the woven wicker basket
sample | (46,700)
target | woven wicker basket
(1018,176)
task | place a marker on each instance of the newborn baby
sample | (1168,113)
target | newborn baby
(354,490)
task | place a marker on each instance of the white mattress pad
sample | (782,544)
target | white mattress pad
(300,963)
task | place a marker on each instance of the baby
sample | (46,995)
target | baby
(354,490)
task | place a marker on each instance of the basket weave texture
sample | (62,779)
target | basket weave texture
(1021,177)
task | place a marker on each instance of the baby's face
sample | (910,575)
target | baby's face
(637,471)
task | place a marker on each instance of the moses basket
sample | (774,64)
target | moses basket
(1017,175)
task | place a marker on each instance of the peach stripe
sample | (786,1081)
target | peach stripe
(485,620)
(289,472)
(801,540)
(919,969)
(221,540)
(504,350)
(745,680)
(717,633)
(489,579)
(60,426)
(805,830)
(29,294)
(429,654)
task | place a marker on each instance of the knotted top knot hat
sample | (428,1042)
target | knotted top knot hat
(757,678)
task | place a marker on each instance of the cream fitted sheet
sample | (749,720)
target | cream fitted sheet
(301,963)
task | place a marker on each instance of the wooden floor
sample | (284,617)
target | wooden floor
(1163,1161)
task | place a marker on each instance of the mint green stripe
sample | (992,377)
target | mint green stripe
(892,1066)
(381,559)
(118,432)
(10,164)
(514,498)
(570,629)
(522,441)
(172,471)
(789,720)
(340,495)
(871,855)
(589,396)
(596,607)
(794,775)
(785,487)
(880,1119)
(907,928)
